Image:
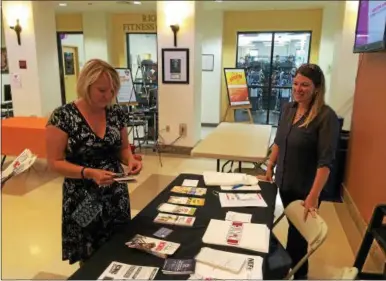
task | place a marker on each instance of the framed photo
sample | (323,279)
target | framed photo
(207,63)
(175,66)
(4,61)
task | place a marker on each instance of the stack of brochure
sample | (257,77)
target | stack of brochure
(189,190)
(22,163)
(121,271)
(174,220)
(176,209)
(154,246)
(186,201)
(215,264)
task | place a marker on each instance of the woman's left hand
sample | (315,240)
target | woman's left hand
(134,166)
(310,206)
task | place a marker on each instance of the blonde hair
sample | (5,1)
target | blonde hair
(315,74)
(90,72)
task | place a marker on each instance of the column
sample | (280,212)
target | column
(343,67)
(33,65)
(180,103)
(97,35)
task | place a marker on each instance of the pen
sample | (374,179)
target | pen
(237,186)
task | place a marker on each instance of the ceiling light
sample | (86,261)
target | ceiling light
(137,2)
(62,4)
(218,1)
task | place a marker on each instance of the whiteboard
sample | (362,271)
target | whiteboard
(126,93)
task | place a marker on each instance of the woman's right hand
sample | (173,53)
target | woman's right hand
(101,177)
(267,177)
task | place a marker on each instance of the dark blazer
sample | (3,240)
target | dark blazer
(302,150)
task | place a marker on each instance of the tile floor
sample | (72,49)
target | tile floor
(31,219)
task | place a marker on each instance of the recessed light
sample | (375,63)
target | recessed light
(62,4)
(137,2)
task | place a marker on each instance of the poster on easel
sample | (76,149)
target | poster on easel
(237,87)
(126,93)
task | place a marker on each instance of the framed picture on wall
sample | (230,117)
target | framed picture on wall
(175,66)
(4,61)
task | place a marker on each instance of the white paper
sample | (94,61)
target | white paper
(241,217)
(220,259)
(228,179)
(241,200)
(16,80)
(191,183)
(121,271)
(254,237)
(242,188)
(251,268)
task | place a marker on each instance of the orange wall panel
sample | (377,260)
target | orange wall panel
(365,177)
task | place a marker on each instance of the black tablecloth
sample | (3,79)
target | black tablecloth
(190,238)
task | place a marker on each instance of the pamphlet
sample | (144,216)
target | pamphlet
(179,266)
(192,183)
(186,201)
(174,219)
(22,163)
(163,232)
(121,271)
(154,246)
(176,209)
(194,191)
(241,217)
(242,200)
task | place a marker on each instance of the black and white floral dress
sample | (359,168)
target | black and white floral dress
(86,149)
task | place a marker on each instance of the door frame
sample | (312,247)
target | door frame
(61,66)
(272,53)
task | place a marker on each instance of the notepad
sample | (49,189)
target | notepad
(241,200)
(228,179)
(224,265)
(250,236)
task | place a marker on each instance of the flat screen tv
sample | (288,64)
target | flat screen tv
(370,34)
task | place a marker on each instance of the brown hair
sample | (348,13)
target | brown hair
(91,72)
(315,74)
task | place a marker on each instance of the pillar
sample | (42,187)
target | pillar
(33,65)
(97,35)
(180,103)
(343,67)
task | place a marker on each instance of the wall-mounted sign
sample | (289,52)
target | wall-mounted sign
(149,23)
(22,64)
(236,82)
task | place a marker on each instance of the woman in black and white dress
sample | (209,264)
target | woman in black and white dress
(87,143)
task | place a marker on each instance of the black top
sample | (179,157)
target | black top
(302,150)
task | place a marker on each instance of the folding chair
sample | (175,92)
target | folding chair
(314,230)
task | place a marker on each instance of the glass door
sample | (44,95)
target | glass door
(271,60)
(291,49)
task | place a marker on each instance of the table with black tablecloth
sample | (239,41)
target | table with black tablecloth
(190,238)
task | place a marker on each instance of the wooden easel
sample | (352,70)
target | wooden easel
(242,107)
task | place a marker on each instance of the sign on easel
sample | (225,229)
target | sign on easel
(237,89)
(126,94)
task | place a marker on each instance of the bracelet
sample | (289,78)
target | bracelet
(82,172)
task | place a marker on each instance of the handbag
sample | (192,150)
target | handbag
(88,210)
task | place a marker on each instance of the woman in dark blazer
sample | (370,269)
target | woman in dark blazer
(303,151)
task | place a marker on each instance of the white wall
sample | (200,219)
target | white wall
(76,40)
(211,26)
(96,31)
(344,63)
(331,28)
(39,91)
(180,103)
